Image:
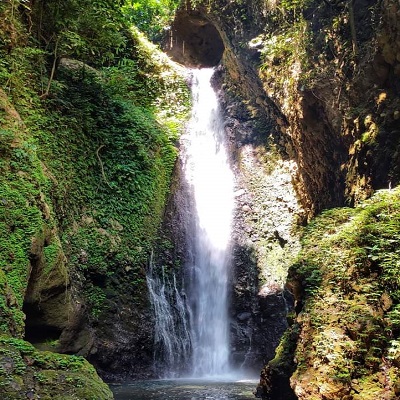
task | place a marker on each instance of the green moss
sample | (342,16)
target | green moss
(283,360)
(52,256)
(99,152)
(23,368)
(96,298)
(21,220)
(84,173)
(109,141)
(350,269)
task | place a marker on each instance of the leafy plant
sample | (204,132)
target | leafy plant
(350,268)
(86,161)
(151,16)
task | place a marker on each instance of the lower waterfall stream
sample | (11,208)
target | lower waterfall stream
(208,173)
(192,326)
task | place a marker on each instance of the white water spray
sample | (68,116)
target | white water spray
(171,333)
(205,345)
(207,170)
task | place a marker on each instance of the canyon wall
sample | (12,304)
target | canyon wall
(87,150)
(310,90)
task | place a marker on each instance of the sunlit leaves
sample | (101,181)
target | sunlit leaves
(87,30)
(150,16)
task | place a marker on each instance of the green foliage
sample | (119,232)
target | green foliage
(285,47)
(350,269)
(285,61)
(21,364)
(21,185)
(24,347)
(86,158)
(22,63)
(150,16)
(96,298)
(88,30)
(6,137)
(283,360)
(289,5)
(52,256)
(109,137)
(120,157)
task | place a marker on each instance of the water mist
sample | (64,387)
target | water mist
(207,174)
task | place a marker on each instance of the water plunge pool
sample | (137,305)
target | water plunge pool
(185,389)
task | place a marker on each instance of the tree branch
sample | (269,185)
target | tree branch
(101,166)
(53,70)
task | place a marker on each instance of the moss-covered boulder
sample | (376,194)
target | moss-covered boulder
(33,272)
(349,272)
(26,373)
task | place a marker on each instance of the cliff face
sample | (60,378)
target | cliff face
(325,77)
(35,283)
(310,90)
(87,154)
(311,94)
(348,344)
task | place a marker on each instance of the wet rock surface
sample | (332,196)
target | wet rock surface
(322,92)
(265,241)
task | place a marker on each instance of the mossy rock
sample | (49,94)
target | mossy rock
(349,268)
(28,373)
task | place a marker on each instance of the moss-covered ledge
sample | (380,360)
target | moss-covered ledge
(346,281)
(25,373)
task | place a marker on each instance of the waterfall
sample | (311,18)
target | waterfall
(208,175)
(172,342)
(207,170)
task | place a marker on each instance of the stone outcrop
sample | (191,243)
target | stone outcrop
(36,302)
(264,243)
(329,103)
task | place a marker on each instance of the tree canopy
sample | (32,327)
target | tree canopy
(150,16)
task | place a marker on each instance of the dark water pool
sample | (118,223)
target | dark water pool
(185,389)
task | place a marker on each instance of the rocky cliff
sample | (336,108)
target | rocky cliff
(311,95)
(87,149)
(89,119)
(322,76)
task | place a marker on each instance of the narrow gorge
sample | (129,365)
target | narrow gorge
(218,206)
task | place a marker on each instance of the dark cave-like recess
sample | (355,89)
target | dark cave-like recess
(193,41)
(36,331)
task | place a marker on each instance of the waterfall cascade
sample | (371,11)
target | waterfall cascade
(211,181)
(172,341)
(207,170)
